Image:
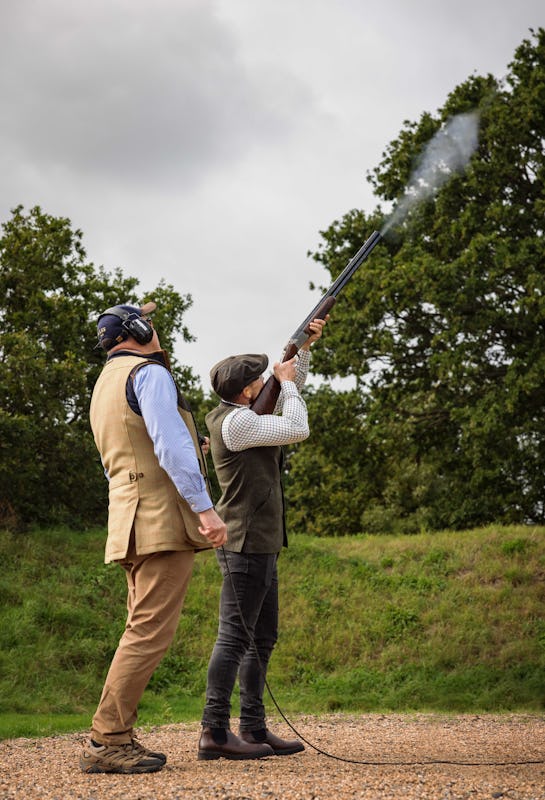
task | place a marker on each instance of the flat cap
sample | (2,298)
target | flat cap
(230,376)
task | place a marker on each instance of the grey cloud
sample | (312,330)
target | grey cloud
(137,91)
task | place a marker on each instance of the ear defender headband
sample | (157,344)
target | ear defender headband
(131,324)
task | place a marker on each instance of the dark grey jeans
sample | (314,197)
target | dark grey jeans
(255,579)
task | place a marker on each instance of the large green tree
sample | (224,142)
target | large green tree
(443,330)
(49,300)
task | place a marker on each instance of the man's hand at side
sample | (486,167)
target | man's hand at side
(212,527)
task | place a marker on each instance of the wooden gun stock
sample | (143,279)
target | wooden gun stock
(265,402)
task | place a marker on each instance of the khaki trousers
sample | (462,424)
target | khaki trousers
(157,585)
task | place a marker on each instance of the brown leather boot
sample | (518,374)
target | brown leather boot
(221,743)
(281,747)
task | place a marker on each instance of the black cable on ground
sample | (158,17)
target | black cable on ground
(354,760)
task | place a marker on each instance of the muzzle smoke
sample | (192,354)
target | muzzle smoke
(445,154)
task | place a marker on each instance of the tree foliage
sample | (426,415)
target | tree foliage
(50,298)
(443,331)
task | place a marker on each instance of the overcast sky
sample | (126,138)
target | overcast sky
(207,142)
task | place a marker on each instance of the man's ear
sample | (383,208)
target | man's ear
(247,392)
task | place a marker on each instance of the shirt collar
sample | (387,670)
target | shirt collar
(158,355)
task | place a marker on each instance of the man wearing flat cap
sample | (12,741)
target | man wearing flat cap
(160,514)
(247,453)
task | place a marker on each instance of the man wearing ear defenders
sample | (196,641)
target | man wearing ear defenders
(160,514)
(247,452)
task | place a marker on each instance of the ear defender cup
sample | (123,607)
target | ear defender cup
(139,328)
(131,323)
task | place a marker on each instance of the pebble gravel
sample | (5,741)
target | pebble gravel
(398,757)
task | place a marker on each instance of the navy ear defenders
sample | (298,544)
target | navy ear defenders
(138,327)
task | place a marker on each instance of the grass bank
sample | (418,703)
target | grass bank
(448,622)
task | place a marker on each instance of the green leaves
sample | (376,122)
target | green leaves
(443,327)
(50,298)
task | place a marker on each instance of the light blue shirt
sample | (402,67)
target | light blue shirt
(155,391)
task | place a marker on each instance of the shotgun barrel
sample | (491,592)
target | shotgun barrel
(266,401)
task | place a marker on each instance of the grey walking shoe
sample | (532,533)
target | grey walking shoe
(125,758)
(149,753)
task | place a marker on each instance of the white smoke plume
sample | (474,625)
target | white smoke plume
(446,153)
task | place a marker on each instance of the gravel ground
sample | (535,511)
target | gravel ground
(504,758)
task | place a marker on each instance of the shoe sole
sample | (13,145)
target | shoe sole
(210,755)
(290,752)
(94,769)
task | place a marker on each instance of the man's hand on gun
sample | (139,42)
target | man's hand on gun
(316,327)
(212,528)
(285,371)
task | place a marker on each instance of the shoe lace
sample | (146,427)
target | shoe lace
(138,747)
(125,753)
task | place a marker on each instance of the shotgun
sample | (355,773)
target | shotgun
(266,400)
